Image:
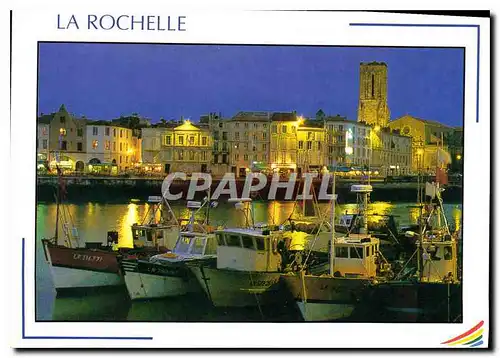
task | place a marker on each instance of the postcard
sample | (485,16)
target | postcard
(282,177)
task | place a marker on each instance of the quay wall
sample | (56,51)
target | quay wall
(120,189)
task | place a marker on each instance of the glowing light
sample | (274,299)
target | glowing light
(130,151)
(349,150)
(459,157)
(420,151)
(300,120)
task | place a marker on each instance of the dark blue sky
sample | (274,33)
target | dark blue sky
(104,81)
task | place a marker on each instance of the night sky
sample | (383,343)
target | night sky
(104,81)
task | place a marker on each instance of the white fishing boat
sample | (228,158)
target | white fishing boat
(248,265)
(77,264)
(166,274)
(354,264)
(428,287)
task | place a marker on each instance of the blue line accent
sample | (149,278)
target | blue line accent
(57,337)
(409,25)
(437,25)
(477,344)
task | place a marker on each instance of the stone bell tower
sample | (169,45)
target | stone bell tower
(373,108)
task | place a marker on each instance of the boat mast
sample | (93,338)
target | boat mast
(332,220)
(58,199)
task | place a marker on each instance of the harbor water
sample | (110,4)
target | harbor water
(94,220)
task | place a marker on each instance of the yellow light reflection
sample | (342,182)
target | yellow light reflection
(125,234)
(457,218)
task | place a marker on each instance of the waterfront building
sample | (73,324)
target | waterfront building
(391,152)
(373,108)
(42,141)
(177,147)
(110,148)
(283,141)
(311,148)
(67,141)
(219,131)
(427,136)
(348,142)
(248,141)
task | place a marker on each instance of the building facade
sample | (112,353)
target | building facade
(42,144)
(111,146)
(67,141)
(391,152)
(427,136)
(182,148)
(248,141)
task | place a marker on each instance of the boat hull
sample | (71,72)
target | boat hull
(144,281)
(66,279)
(76,268)
(419,301)
(230,288)
(326,298)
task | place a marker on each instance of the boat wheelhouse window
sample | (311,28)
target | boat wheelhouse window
(198,245)
(260,244)
(135,234)
(183,244)
(356,252)
(220,240)
(233,240)
(149,235)
(447,253)
(342,252)
(247,242)
(211,248)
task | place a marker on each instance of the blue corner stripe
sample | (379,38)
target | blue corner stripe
(438,25)
(23,324)
(477,344)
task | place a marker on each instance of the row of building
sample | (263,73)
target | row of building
(250,141)
(78,144)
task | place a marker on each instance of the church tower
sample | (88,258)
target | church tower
(372,107)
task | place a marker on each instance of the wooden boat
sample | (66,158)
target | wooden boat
(83,265)
(427,288)
(166,275)
(355,263)
(249,264)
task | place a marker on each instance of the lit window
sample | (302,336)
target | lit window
(95,144)
(62,131)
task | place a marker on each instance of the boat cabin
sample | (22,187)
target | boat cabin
(248,250)
(356,256)
(195,244)
(439,258)
(154,235)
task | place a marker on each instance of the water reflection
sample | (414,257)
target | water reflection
(94,220)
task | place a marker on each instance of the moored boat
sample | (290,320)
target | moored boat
(249,263)
(428,287)
(166,275)
(75,264)
(355,263)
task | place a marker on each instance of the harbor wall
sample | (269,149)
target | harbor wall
(116,189)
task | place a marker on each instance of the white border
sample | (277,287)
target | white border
(236,26)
